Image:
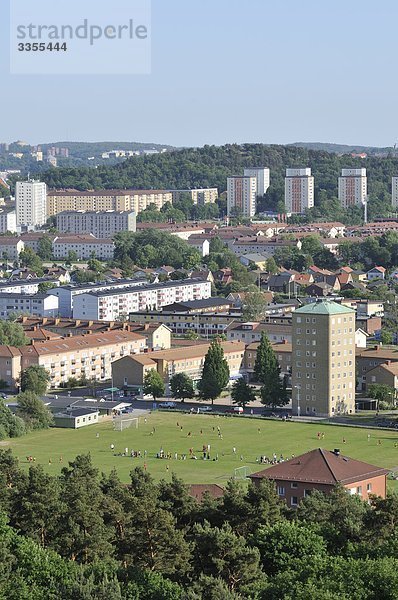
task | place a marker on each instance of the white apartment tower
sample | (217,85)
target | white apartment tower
(262,174)
(31,203)
(241,196)
(395,192)
(299,190)
(353,187)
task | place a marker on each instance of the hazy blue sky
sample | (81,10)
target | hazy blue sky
(272,71)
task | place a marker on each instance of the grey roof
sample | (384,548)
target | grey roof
(74,413)
(325,307)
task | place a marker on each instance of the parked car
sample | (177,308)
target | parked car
(235,410)
(204,409)
(167,404)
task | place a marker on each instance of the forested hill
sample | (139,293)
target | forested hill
(346,149)
(211,165)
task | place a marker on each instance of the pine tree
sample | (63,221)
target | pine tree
(267,371)
(215,374)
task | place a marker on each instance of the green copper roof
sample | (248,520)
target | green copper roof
(325,307)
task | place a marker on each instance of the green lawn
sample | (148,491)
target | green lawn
(250,437)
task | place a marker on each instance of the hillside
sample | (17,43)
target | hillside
(346,149)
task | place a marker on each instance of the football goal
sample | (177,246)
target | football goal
(242,472)
(122,422)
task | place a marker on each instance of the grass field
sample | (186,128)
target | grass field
(250,437)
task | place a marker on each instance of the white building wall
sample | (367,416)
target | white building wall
(299,190)
(353,187)
(31,203)
(263,178)
(242,195)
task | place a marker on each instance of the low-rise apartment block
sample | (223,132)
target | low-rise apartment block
(100,224)
(118,304)
(42,305)
(131,370)
(26,286)
(67,293)
(102,200)
(8,221)
(85,247)
(198,196)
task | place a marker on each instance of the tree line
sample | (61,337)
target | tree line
(86,535)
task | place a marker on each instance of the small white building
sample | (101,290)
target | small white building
(75,418)
(84,246)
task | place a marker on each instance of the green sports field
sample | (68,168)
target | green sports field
(250,437)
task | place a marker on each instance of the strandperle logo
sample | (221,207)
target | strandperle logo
(92,37)
(85,31)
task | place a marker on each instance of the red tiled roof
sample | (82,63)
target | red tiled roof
(323,467)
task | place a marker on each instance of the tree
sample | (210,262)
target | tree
(242,393)
(382,393)
(219,552)
(181,386)
(153,384)
(254,306)
(271,266)
(267,371)
(33,411)
(35,379)
(10,424)
(215,374)
(12,334)
(44,286)
(45,248)
(28,258)
(72,257)
(386,337)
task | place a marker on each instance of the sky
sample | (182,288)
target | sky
(226,71)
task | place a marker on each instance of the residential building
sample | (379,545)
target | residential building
(376,273)
(206,305)
(202,245)
(67,293)
(75,418)
(251,332)
(11,248)
(254,259)
(85,247)
(283,352)
(204,324)
(131,371)
(198,196)
(394,192)
(384,374)
(241,196)
(322,470)
(30,203)
(100,224)
(26,286)
(42,305)
(353,187)
(157,335)
(323,360)
(262,245)
(103,200)
(8,221)
(76,356)
(262,176)
(299,190)
(369,358)
(111,305)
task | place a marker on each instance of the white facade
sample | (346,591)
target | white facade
(395,192)
(353,187)
(41,305)
(299,190)
(31,203)
(241,196)
(25,286)
(10,248)
(85,248)
(8,221)
(68,293)
(262,174)
(112,305)
(101,224)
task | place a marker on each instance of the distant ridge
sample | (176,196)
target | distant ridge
(346,148)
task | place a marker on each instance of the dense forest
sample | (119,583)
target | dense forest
(83,535)
(210,166)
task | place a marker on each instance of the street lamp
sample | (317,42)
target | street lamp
(297,387)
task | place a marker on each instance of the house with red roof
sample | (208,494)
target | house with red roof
(322,470)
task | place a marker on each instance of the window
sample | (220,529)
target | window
(294,485)
(281,490)
(307,493)
(359,490)
(294,501)
(369,487)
